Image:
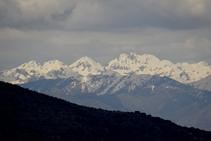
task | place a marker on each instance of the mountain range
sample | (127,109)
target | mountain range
(124,64)
(178,92)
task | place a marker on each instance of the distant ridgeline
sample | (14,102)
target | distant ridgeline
(125,64)
(28,115)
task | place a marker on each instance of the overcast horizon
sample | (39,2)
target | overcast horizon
(178,31)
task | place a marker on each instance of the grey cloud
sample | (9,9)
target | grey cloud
(107,15)
(67,30)
(61,16)
(33,12)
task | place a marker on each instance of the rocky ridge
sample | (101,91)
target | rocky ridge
(124,65)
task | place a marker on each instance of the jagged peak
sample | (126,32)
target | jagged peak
(203,63)
(148,56)
(167,62)
(53,62)
(84,59)
(133,53)
(134,58)
(86,66)
(199,64)
(123,55)
(28,64)
(87,60)
(31,62)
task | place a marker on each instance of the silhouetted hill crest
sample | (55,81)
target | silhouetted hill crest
(28,115)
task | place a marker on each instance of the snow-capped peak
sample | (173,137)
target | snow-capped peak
(86,66)
(57,62)
(53,65)
(56,69)
(149,64)
(85,59)
(31,71)
(29,65)
(202,63)
(125,64)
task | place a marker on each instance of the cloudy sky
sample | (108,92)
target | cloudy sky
(42,30)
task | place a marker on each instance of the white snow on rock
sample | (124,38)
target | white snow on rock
(204,84)
(102,84)
(33,71)
(55,69)
(125,64)
(86,66)
(149,64)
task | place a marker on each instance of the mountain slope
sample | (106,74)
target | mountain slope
(96,84)
(159,96)
(34,116)
(203,84)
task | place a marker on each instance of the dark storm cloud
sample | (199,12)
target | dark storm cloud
(107,15)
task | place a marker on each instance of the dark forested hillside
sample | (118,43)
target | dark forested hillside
(28,115)
(159,96)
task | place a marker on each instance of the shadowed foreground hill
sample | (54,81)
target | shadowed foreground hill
(28,115)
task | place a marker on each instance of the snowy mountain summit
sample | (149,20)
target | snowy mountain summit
(140,64)
(32,71)
(149,64)
(125,64)
(86,66)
